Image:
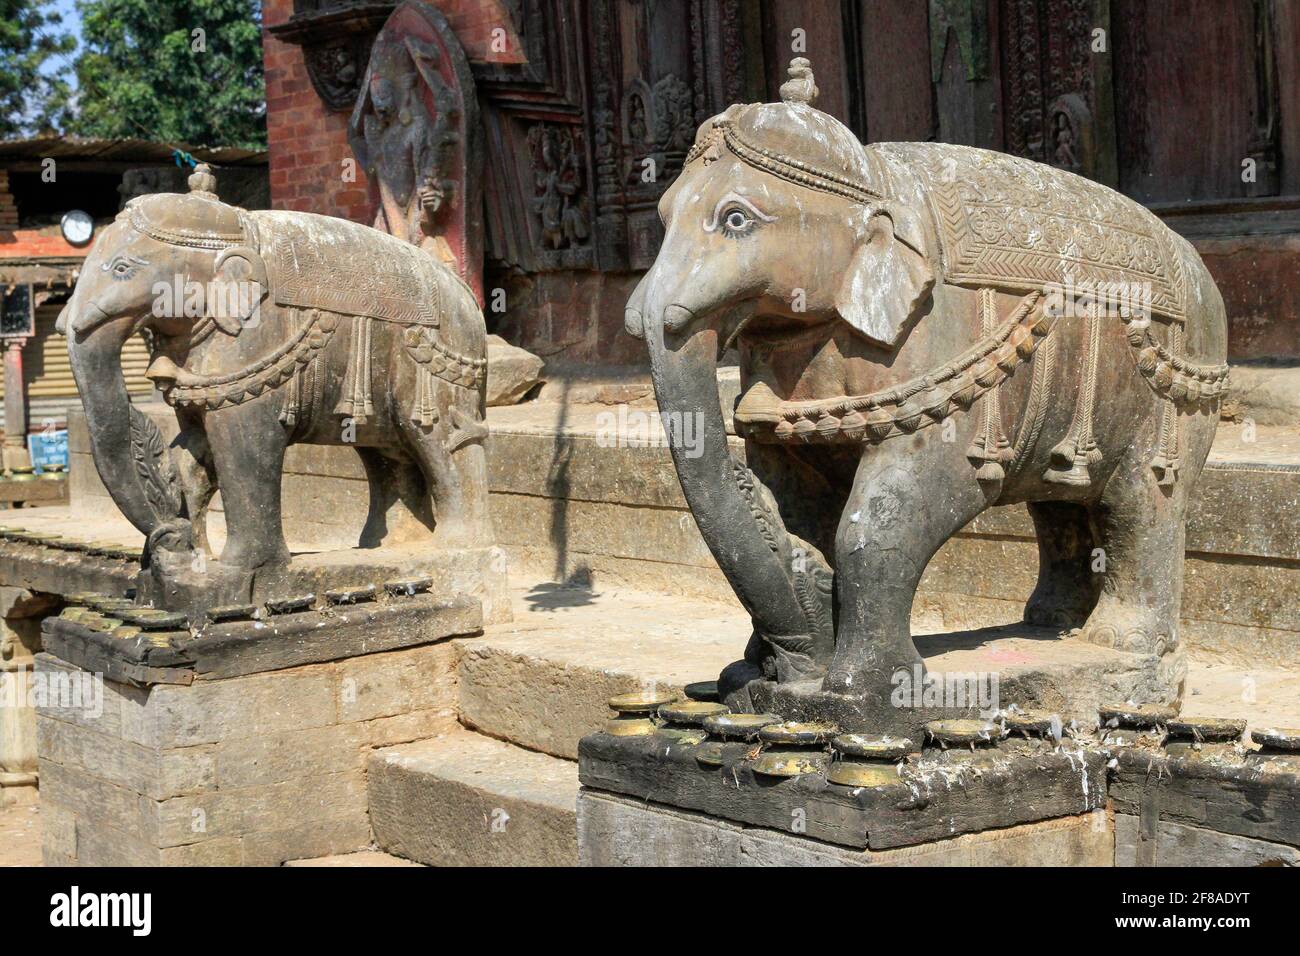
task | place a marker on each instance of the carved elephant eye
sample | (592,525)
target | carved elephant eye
(735,216)
(122,267)
(736,221)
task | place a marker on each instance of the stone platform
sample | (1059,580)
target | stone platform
(619,831)
(940,795)
(54,553)
(240,743)
(526,691)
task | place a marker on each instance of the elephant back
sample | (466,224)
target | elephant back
(320,262)
(1013,224)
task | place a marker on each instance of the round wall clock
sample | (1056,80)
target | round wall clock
(77,227)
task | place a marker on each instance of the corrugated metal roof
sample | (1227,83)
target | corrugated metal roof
(123,150)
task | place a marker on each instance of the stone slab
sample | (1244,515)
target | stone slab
(512,372)
(543,680)
(1038,668)
(617,831)
(462,799)
(48,571)
(1246,796)
(1177,844)
(215,651)
(476,573)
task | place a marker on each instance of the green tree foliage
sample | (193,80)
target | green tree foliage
(29,36)
(185,71)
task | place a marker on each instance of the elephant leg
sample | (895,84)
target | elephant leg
(1067,587)
(198,480)
(248,443)
(399,508)
(908,498)
(1141,539)
(809,494)
(452,458)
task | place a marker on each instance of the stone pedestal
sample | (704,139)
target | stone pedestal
(245,744)
(20,639)
(1216,806)
(657,800)
(1186,795)
(619,831)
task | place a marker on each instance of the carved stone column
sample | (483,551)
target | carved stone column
(20,639)
(15,444)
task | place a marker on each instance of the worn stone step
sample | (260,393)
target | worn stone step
(362,858)
(463,799)
(542,681)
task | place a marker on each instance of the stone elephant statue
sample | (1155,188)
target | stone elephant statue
(924,331)
(267,329)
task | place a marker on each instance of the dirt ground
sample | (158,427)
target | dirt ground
(1261,444)
(20,836)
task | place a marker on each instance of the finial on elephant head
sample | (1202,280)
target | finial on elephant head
(203,182)
(801,87)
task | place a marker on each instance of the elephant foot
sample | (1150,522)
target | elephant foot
(193,583)
(733,685)
(889,713)
(1056,611)
(1128,627)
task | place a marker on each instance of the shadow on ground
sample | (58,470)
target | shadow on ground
(552,595)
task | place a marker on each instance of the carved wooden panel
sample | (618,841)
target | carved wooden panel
(1057,103)
(1196,94)
(652,84)
(889,39)
(335,36)
(589,109)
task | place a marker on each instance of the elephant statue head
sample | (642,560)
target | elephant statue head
(737,234)
(175,266)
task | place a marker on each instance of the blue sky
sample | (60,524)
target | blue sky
(71,24)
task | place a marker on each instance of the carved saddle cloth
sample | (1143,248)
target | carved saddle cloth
(1018,225)
(343,267)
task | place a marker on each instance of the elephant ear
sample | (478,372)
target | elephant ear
(889,279)
(237,289)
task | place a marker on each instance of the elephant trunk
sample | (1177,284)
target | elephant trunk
(685,383)
(96,358)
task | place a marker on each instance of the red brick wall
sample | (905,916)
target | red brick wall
(46,241)
(307,141)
